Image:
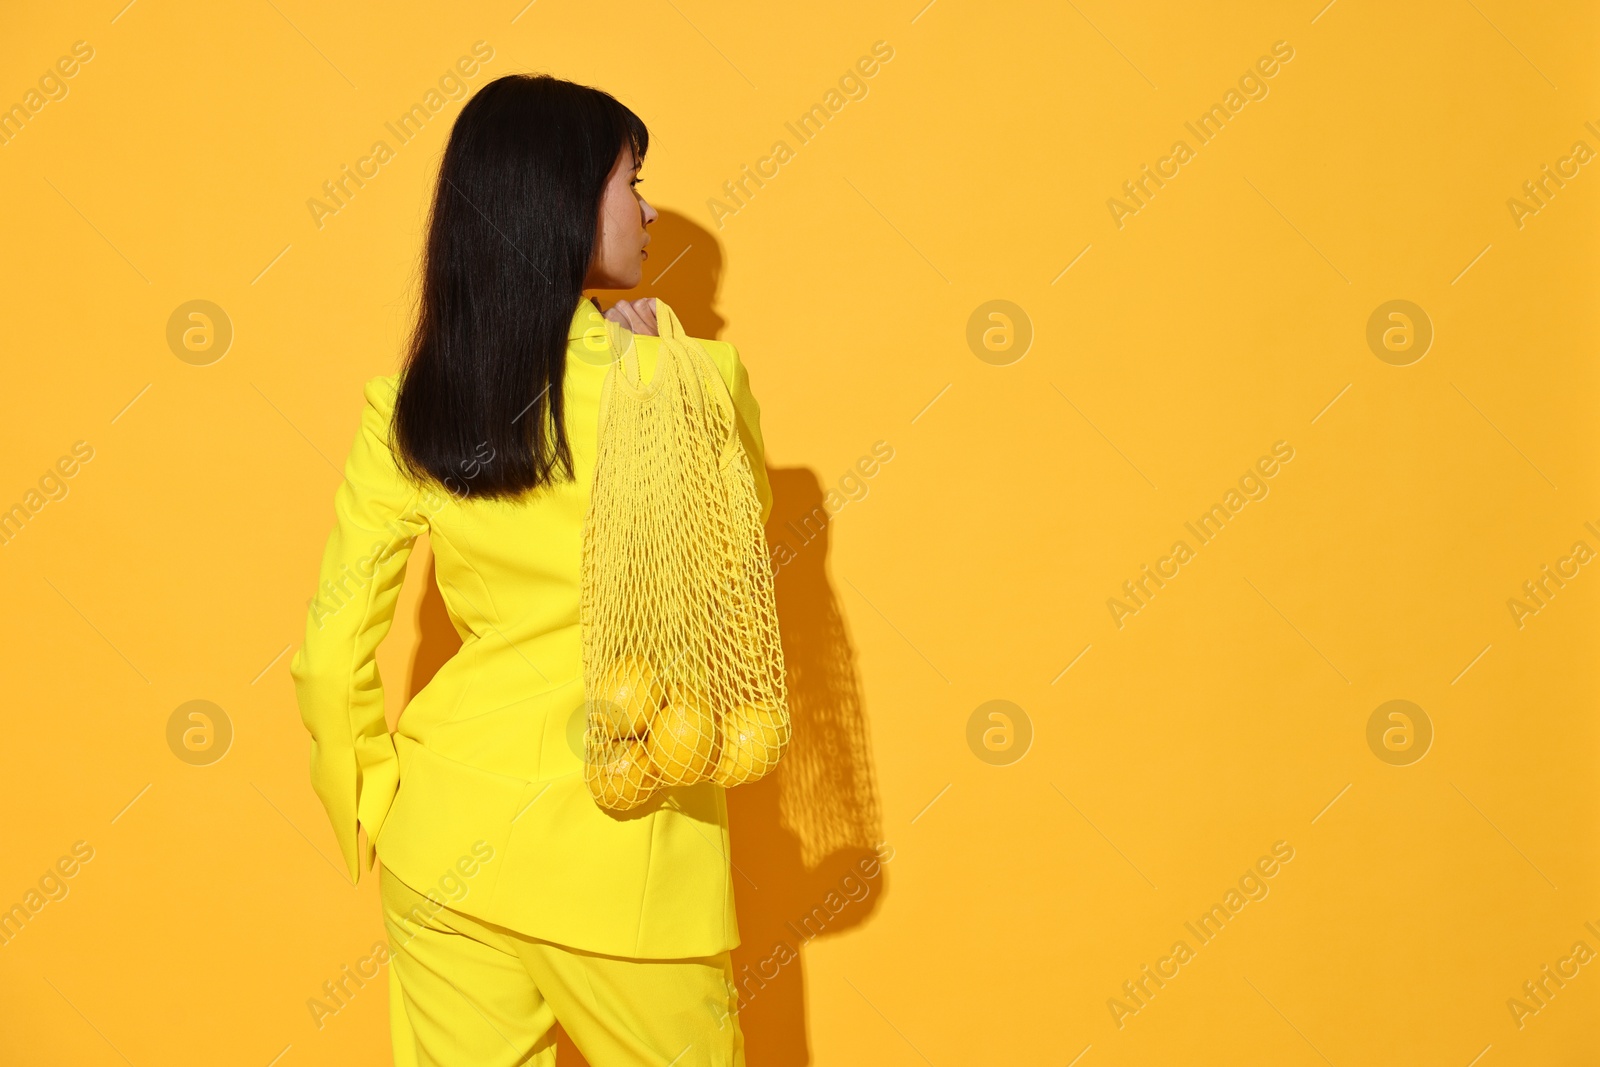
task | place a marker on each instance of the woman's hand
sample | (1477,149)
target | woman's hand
(637,316)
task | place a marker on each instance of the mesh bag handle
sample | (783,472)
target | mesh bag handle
(682,664)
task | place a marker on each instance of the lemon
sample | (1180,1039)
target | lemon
(629,696)
(683,740)
(752,740)
(623,781)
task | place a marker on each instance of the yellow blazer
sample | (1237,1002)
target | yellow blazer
(490,750)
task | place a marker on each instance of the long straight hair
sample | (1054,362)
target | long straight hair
(511,233)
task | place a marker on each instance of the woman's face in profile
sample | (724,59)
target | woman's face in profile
(620,237)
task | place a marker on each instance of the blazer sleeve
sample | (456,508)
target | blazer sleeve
(377,517)
(749,415)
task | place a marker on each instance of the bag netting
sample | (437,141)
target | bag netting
(682,666)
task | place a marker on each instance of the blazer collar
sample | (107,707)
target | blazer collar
(591,338)
(585,318)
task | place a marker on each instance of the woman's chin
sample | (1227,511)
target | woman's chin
(618,283)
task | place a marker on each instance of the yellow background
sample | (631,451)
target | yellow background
(1228,714)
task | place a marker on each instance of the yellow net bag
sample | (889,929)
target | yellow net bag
(682,666)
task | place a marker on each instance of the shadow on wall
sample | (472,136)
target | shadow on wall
(804,836)
(684,268)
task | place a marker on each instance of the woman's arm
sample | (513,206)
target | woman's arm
(354,769)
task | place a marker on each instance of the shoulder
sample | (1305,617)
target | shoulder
(377,413)
(380,392)
(722,353)
(726,357)
(375,441)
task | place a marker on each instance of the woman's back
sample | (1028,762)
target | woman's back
(494,741)
(509,573)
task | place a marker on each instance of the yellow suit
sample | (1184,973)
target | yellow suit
(487,756)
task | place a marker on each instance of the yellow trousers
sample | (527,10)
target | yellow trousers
(467,992)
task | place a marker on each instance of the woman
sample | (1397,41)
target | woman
(511,899)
